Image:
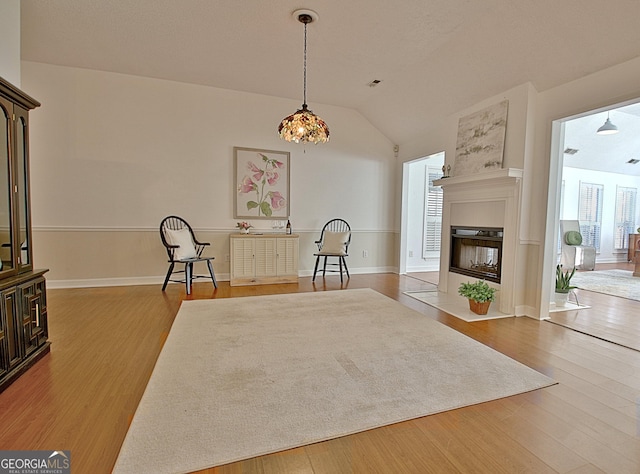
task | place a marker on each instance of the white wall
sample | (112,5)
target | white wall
(517,150)
(10,41)
(113,153)
(415,215)
(107,149)
(528,145)
(614,85)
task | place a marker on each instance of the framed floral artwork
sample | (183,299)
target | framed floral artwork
(261,184)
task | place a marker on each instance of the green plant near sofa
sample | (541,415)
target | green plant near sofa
(563,285)
(563,279)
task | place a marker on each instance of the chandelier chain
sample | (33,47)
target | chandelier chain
(304,90)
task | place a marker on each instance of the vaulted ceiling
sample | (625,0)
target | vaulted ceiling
(433,58)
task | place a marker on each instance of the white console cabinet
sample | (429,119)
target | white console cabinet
(262,259)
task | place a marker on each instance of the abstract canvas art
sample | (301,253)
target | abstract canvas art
(480,143)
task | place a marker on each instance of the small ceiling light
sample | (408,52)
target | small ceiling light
(304,125)
(608,128)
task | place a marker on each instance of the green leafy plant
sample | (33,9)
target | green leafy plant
(563,280)
(478,291)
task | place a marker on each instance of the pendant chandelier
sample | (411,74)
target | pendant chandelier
(608,128)
(304,125)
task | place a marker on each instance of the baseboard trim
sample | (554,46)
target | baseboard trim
(353,271)
(158,280)
(529,311)
(128,281)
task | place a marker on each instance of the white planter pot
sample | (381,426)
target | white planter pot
(561,299)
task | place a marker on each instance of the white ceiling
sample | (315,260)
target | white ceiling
(609,153)
(433,58)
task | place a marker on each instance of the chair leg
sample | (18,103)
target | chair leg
(340,263)
(315,269)
(344,261)
(324,268)
(166,279)
(213,276)
(188,268)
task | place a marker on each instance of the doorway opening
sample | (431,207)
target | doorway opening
(600,180)
(421,215)
(595,180)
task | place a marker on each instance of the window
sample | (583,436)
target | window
(432,212)
(590,213)
(625,216)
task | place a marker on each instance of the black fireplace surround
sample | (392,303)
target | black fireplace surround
(477,252)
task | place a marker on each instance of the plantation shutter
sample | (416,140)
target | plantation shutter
(590,213)
(432,212)
(625,216)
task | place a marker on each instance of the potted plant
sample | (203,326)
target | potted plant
(479,294)
(563,285)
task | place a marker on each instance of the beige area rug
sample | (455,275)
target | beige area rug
(242,377)
(620,283)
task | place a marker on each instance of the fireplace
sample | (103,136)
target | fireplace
(487,205)
(477,252)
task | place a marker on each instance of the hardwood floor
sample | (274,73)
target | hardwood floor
(612,319)
(609,318)
(105,341)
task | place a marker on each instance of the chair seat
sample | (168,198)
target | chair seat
(195,259)
(331,254)
(585,257)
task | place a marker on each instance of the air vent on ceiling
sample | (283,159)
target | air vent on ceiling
(570,151)
(633,161)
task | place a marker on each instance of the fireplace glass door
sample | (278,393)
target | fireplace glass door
(477,252)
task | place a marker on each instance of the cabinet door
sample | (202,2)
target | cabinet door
(21,190)
(4,348)
(9,308)
(33,314)
(265,257)
(242,259)
(7,266)
(287,256)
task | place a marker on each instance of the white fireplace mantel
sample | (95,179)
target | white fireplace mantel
(485,199)
(487,178)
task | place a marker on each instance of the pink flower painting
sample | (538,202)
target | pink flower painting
(263,187)
(277,200)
